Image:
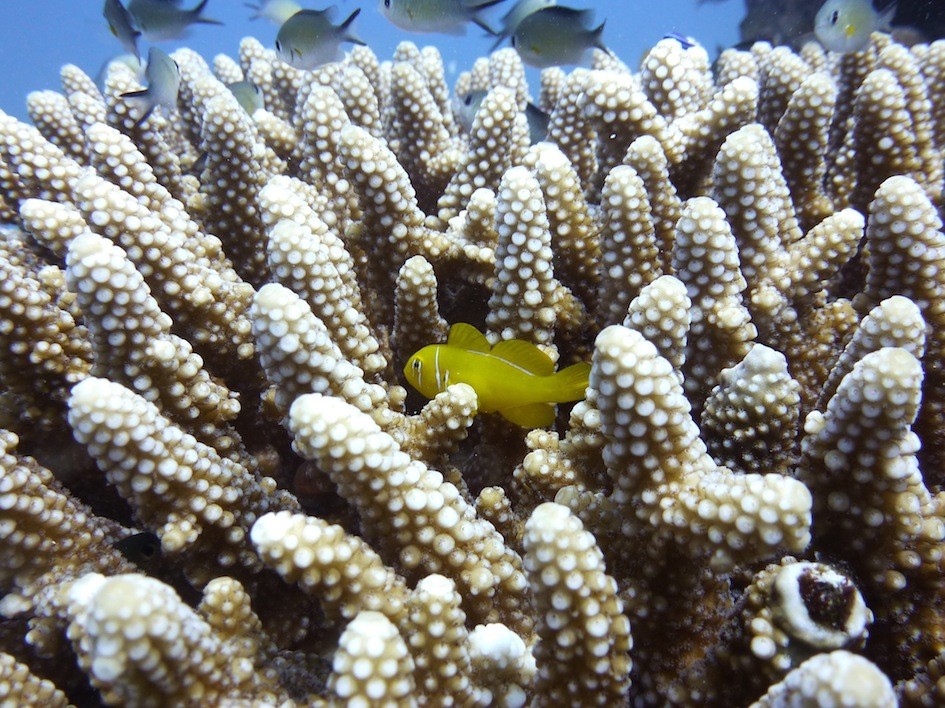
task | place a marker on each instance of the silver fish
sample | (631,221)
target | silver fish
(160,20)
(443,16)
(518,12)
(276,11)
(556,35)
(247,95)
(309,39)
(163,83)
(120,23)
(846,25)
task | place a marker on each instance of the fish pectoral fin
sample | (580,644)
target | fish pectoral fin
(526,355)
(533,415)
(143,104)
(465,336)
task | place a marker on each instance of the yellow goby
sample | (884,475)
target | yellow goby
(514,377)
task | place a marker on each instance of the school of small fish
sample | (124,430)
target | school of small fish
(543,32)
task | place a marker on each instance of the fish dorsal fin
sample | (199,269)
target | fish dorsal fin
(532,415)
(526,355)
(465,336)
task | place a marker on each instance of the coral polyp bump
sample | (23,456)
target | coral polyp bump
(204,317)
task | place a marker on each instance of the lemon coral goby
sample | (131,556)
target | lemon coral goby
(514,377)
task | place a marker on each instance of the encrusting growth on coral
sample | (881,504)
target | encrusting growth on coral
(205,316)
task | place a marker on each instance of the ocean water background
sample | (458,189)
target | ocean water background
(38,36)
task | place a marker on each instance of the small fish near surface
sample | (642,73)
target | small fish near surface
(443,16)
(467,106)
(160,20)
(163,84)
(846,25)
(514,378)
(121,25)
(553,36)
(309,39)
(276,11)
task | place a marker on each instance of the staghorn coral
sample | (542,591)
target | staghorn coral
(143,646)
(750,255)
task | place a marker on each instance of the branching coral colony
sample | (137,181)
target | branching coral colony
(203,319)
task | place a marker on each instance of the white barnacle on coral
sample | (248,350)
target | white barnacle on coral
(819,606)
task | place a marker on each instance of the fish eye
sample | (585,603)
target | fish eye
(278,46)
(416,362)
(468,100)
(386,3)
(834,17)
(513,40)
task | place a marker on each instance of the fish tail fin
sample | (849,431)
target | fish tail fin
(135,36)
(597,35)
(886,16)
(203,20)
(499,38)
(479,22)
(570,383)
(345,28)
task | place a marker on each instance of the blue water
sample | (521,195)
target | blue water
(38,36)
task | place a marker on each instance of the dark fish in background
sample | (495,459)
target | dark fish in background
(121,25)
(443,16)
(791,22)
(556,35)
(143,549)
(163,20)
(276,11)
